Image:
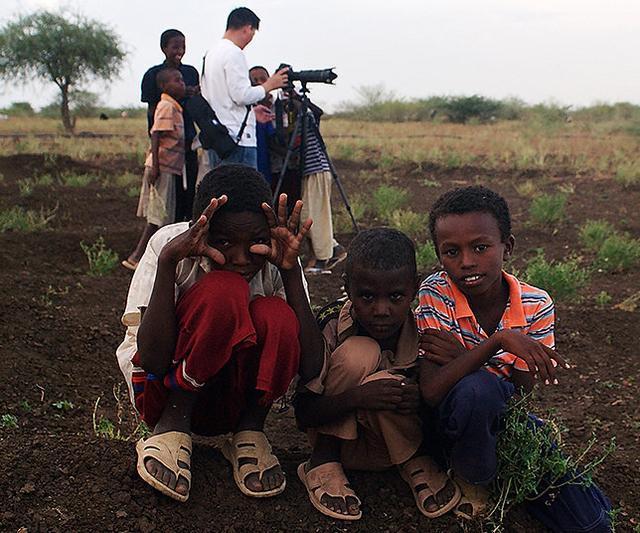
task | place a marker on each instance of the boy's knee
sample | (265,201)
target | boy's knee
(269,312)
(356,357)
(480,393)
(220,288)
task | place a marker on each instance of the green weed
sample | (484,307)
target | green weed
(133,191)
(8,421)
(44,180)
(25,187)
(63,405)
(408,222)
(628,174)
(618,253)
(101,259)
(76,180)
(387,199)
(426,257)
(19,219)
(107,429)
(547,209)
(341,219)
(602,299)
(26,406)
(128,179)
(527,188)
(594,232)
(562,279)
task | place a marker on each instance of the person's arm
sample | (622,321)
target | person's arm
(158,332)
(155,157)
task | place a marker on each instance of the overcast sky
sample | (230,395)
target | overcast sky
(569,51)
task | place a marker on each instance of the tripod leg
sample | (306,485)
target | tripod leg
(287,158)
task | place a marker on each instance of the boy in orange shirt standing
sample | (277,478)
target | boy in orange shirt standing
(164,162)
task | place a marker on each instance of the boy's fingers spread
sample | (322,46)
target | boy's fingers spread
(306,226)
(260,249)
(215,255)
(282,210)
(555,356)
(271,216)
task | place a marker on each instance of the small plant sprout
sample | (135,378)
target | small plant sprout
(76,180)
(18,219)
(527,188)
(408,222)
(547,209)
(106,428)
(594,232)
(25,186)
(8,421)
(101,259)
(628,174)
(603,298)
(63,405)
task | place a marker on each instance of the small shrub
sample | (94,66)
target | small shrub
(426,257)
(527,188)
(594,232)
(8,421)
(101,259)
(128,179)
(618,253)
(45,180)
(562,279)
(76,180)
(341,219)
(547,209)
(628,174)
(106,428)
(133,191)
(387,199)
(17,219)
(603,298)
(409,223)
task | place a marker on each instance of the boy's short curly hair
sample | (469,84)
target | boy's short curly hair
(164,75)
(167,35)
(468,200)
(381,249)
(244,186)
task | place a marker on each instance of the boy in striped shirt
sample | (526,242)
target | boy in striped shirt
(485,333)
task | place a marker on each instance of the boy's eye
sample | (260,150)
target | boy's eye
(451,252)
(481,247)
(396,297)
(262,240)
(366,297)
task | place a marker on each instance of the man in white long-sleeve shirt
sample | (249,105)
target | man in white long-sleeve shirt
(226,86)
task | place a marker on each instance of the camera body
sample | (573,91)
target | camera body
(326,75)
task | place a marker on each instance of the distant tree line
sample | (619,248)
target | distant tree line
(84,104)
(375,103)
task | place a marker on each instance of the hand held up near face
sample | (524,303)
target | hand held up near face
(286,235)
(194,241)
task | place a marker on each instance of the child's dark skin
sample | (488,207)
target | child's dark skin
(472,251)
(238,242)
(381,301)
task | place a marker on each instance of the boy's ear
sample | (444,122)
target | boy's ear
(509,246)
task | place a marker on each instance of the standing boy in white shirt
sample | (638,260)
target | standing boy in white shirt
(226,86)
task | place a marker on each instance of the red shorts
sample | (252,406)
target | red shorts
(227,346)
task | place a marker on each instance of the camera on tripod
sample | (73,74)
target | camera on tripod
(326,75)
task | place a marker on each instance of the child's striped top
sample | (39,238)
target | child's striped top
(529,309)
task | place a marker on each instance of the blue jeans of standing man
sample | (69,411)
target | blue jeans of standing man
(469,420)
(242,155)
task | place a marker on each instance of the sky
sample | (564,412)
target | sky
(571,52)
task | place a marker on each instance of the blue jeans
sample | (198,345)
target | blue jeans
(469,420)
(242,155)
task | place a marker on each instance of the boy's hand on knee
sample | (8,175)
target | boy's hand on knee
(380,395)
(540,359)
(439,346)
(286,235)
(194,241)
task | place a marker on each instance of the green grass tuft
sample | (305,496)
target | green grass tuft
(426,257)
(410,223)
(618,253)
(387,199)
(547,209)
(101,259)
(594,232)
(562,279)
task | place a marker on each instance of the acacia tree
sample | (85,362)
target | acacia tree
(67,50)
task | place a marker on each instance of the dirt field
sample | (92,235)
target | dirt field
(60,327)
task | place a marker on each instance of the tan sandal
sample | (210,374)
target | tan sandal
(475,496)
(251,445)
(168,449)
(328,479)
(423,472)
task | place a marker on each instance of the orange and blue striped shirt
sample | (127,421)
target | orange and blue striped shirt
(441,305)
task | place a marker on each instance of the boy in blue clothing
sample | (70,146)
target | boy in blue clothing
(172,44)
(484,332)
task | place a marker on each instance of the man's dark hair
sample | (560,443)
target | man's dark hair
(381,249)
(259,67)
(245,187)
(163,75)
(469,200)
(241,17)
(167,35)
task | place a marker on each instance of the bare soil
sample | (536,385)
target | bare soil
(60,327)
